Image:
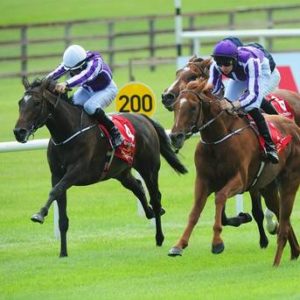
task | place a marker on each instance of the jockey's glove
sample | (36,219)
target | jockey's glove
(228,105)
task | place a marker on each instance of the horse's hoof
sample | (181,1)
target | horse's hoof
(264,243)
(159,241)
(272,227)
(38,218)
(217,249)
(245,217)
(175,251)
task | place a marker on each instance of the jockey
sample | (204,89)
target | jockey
(96,89)
(251,78)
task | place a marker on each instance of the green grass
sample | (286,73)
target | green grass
(112,252)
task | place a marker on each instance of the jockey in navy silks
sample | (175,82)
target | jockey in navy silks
(96,89)
(252,75)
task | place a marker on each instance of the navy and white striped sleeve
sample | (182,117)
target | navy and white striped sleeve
(253,69)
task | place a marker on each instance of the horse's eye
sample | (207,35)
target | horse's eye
(37,103)
(192,78)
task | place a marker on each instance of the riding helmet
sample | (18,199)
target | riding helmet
(74,57)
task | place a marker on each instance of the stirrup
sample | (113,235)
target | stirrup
(116,140)
(272,156)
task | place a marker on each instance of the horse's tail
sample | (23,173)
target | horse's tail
(166,148)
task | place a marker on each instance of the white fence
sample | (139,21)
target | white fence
(198,36)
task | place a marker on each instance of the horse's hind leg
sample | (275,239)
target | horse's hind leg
(136,186)
(258,216)
(150,177)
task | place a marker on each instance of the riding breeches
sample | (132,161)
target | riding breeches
(91,100)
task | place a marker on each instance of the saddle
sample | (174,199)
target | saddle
(126,150)
(281,106)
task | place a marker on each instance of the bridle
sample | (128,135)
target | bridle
(40,122)
(195,128)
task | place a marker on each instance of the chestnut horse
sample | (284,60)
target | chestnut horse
(227,160)
(77,152)
(198,68)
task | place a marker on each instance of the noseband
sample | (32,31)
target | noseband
(194,128)
(40,122)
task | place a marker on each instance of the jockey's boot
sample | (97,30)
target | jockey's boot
(268,108)
(263,130)
(116,137)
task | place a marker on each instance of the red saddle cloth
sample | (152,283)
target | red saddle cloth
(126,150)
(279,140)
(281,106)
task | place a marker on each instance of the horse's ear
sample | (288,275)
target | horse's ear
(48,84)
(192,59)
(25,82)
(198,59)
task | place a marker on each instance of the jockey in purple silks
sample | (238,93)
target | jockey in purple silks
(251,78)
(96,89)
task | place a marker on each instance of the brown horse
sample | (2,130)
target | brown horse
(227,161)
(77,152)
(198,68)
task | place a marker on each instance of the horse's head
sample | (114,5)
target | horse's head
(189,112)
(34,108)
(196,68)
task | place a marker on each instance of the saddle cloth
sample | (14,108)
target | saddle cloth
(281,106)
(279,140)
(126,150)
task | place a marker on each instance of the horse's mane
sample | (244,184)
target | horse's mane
(200,65)
(49,85)
(36,82)
(197,85)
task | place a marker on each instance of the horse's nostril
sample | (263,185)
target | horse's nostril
(168,97)
(20,134)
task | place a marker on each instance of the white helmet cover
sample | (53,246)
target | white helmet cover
(74,57)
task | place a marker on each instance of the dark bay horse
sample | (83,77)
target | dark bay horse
(77,152)
(198,69)
(227,160)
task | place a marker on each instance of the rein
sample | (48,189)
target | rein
(73,136)
(38,125)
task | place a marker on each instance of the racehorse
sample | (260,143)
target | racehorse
(228,160)
(198,68)
(77,152)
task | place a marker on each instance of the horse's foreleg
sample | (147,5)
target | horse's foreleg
(230,189)
(199,203)
(55,193)
(59,187)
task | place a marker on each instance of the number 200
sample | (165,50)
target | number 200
(135,103)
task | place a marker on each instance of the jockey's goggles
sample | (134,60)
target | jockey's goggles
(224,61)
